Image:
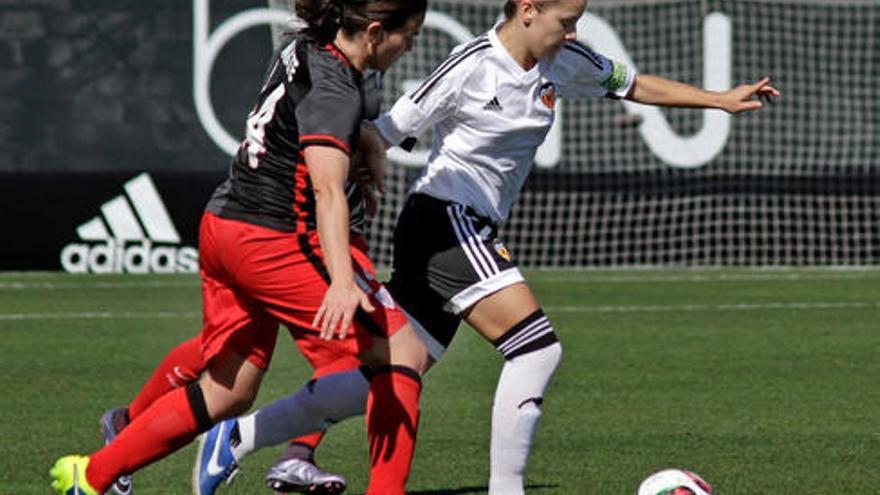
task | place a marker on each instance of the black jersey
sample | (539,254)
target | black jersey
(312,96)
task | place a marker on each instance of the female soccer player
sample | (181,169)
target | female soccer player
(490,105)
(296,470)
(280,242)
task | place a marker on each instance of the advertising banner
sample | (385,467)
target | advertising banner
(120,117)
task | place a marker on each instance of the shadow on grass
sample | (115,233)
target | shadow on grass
(475,489)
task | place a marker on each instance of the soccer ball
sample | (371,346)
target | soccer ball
(674,482)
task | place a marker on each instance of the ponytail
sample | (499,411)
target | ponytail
(325,17)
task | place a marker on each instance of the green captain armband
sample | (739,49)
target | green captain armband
(617,78)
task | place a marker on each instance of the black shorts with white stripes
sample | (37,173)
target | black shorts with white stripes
(446,258)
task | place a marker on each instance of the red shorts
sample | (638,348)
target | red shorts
(254,278)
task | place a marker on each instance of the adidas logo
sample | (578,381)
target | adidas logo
(494,105)
(127,237)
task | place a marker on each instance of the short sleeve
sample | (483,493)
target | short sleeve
(330,112)
(586,73)
(436,98)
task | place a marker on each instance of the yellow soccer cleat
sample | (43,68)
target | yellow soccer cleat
(69,476)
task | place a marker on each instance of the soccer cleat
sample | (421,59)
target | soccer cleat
(302,476)
(69,476)
(214,460)
(113,422)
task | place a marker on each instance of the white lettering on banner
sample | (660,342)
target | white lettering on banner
(124,247)
(678,151)
(205,51)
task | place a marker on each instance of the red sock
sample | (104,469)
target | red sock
(179,368)
(169,424)
(311,441)
(392,424)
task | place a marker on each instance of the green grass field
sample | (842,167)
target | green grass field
(764,382)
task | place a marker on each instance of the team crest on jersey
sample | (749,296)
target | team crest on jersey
(547,93)
(502,251)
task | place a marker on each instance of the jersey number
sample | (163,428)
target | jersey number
(256,126)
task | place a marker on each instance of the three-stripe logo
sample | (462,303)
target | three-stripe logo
(493,106)
(127,229)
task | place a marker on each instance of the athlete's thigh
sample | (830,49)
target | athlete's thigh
(404,348)
(298,312)
(326,356)
(497,313)
(232,319)
(427,271)
(447,260)
(283,272)
(230,384)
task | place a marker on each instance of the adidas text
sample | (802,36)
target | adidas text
(121,238)
(115,256)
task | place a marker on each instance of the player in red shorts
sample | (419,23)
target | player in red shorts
(280,243)
(296,469)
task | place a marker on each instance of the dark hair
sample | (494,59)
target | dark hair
(326,17)
(510,8)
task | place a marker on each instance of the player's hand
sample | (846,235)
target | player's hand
(337,310)
(749,97)
(365,180)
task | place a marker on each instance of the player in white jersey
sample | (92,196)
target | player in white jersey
(490,105)
(490,115)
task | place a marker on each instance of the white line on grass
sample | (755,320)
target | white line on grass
(713,307)
(588,278)
(550,309)
(143,284)
(102,315)
(538,277)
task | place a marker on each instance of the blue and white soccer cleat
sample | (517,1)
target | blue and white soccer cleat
(214,460)
(302,476)
(112,423)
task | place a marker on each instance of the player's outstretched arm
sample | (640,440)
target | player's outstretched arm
(655,90)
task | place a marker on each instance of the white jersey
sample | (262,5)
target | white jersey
(489,116)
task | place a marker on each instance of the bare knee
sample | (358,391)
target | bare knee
(404,348)
(377,355)
(230,387)
(223,402)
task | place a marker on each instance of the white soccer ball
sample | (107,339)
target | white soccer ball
(674,482)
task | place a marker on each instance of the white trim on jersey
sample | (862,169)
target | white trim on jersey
(454,59)
(473,294)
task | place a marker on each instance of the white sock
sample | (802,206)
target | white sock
(314,407)
(516,414)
